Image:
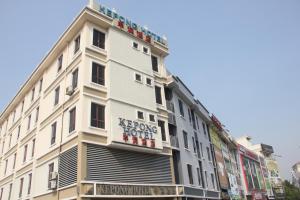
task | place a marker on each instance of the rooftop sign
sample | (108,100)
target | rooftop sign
(131,25)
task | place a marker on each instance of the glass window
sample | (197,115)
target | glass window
(158,95)
(59,62)
(185,138)
(161,125)
(21,187)
(97,116)
(140,115)
(190,173)
(76,44)
(29,183)
(98,39)
(181,107)
(138,77)
(98,75)
(56,96)
(149,81)
(50,170)
(53,133)
(75,78)
(72,121)
(25,153)
(145,50)
(151,118)
(135,45)
(154,63)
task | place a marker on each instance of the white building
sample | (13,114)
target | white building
(91,122)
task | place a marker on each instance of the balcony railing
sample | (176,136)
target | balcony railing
(170,106)
(174,141)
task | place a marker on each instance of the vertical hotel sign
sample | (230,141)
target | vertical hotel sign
(130,26)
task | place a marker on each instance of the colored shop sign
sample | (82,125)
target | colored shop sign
(132,26)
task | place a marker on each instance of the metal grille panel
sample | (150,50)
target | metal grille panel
(113,165)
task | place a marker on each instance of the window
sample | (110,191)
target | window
(145,50)
(199,176)
(53,133)
(9,143)
(9,193)
(161,125)
(25,153)
(204,129)
(15,158)
(56,96)
(32,94)
(140,115)
(5,169)
(213,180)
(14,115)
(98,73)
(21,187)
(59,62)
(208,153)
(158,95)
(29,122)
(33,148)
(22,107)
(135,45)
(154,63)
(97,116)
(37,114)
(206,179)
(194,146)
(75,78)
(190,117)
(29,183)
(19,130)
(1,194)
(3,143)
(185,138)
(98,39)
(76,44)
(41,85)
(197,122)
(190,173)
(138,77)
(149,81)
(72,121)
(151,118)
(50,170)
(181,107)
(201,148)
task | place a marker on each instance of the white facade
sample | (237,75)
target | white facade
(85,103)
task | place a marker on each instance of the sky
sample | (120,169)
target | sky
(241,59)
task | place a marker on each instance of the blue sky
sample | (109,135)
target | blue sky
(240,58)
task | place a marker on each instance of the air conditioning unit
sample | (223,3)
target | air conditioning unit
(53,185)
(53,175)
(70,90)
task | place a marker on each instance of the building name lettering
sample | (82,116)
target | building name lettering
(137,129)
(134,190)
(112,14)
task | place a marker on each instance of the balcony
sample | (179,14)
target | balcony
(171,119)
(170,106)
(174,141)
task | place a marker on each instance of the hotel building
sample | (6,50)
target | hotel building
(101,118)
